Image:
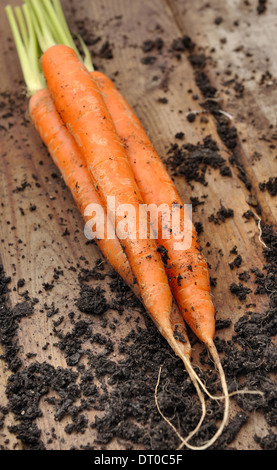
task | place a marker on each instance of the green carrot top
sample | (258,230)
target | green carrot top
(26,46)
(36,26)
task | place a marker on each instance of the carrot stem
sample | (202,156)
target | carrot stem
(33,47)
(39,17)
(33,79)
(87,60)
(63,26)
(22,25)
(53,25)
(50,16)
(52,22)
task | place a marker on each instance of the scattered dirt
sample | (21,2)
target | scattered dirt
(248,360)
(261,7)
(221,215)
(120,388)
(270,186)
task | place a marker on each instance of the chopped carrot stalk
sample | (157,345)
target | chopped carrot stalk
(71,163)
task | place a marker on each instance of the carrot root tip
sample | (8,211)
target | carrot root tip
(196,429)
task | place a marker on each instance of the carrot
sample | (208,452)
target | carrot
(67,157)
(83,110)
(187,269)
(70,161)
(191,286)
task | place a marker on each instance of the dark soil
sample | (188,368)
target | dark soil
(270,185)
(92,300)
(250,356)
(193,161)
(261,7)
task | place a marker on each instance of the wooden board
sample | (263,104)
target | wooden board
(42,238)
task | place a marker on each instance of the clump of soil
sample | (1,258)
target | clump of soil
(153,46)
(192,161)
(221,215)
(261,7)
(270,185)
(236,262)
(9,321)
(92,300)
(226,131)
(182,44)
(149,45)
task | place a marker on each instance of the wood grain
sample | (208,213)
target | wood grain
(33,241)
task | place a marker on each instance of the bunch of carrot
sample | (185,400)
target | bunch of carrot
(102,151)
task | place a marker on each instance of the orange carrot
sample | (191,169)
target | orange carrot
(81,106)
(187,268)
(67,157)
(77,99)
(71,163)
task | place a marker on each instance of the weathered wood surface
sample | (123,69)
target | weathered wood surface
(33,244)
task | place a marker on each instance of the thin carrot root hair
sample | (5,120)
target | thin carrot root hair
(201,396)
(196,382)
(213,351)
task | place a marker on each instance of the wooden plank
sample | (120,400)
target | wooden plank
(243,70)
(36,247)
